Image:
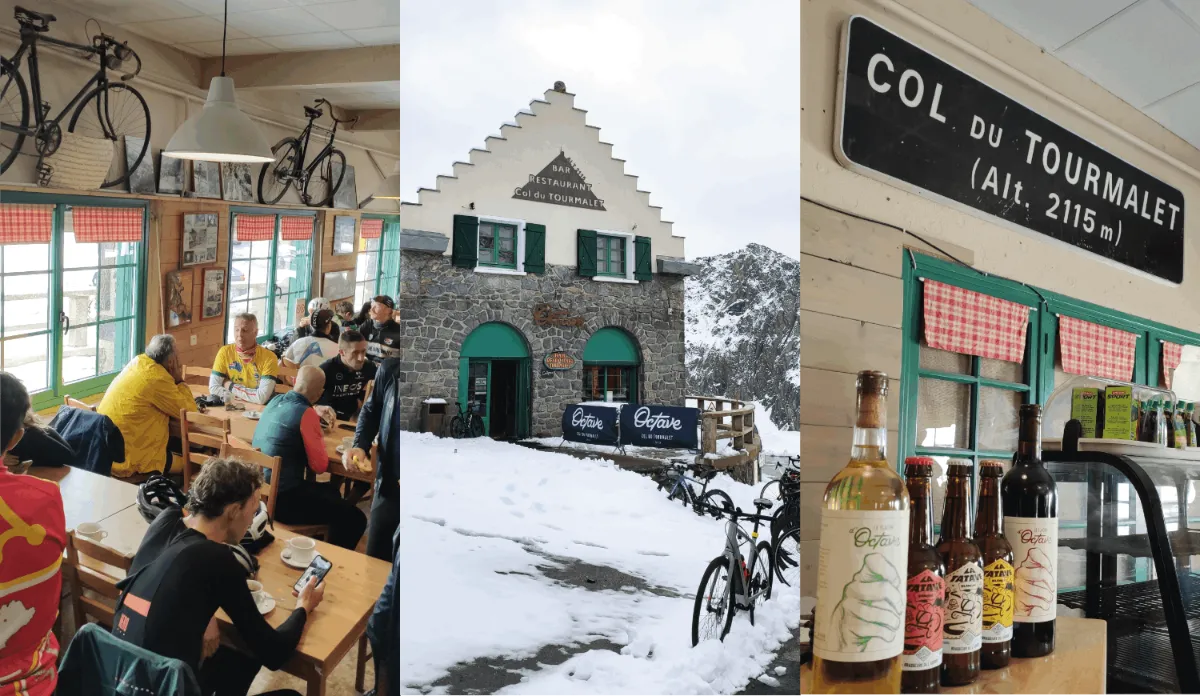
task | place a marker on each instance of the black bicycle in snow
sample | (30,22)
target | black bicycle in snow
(467,423)
(706,502)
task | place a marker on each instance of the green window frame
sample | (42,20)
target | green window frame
(498,242)
(114,282)
(377,268)
(285,267)
(621,380)
(610,255)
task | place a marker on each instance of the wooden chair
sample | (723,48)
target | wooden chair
(85,576)
(196,373)
(287,372)
(270,491)
(76,403)
(208,433)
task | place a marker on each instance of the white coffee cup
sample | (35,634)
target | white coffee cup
(91,530)
(256,591)
(300,550)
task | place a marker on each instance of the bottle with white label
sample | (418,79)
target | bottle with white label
(858,631)
(1030,499)
(962,625)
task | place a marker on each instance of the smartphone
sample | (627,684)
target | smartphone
(319,568)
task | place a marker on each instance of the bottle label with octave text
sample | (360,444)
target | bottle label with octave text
(963,631)
(860,585)
(997,601)
(1034,542)
(923,622)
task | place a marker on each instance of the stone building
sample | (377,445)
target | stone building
(539,276)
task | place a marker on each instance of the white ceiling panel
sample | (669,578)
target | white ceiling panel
(240,47)
(312,42)
(379,36)
(216,8)
(279,22)
(122,11)
(190,30)
(1051,24)
(358,14)
(1178,112)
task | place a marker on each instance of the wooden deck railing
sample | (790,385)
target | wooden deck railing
(722,418)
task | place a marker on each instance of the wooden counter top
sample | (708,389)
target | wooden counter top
(1078,665)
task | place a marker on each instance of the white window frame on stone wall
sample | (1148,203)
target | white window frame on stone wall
(518,248)
(630,256)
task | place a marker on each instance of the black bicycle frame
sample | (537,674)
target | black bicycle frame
(306,136)
(29,41)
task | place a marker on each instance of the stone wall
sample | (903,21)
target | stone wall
(441,304)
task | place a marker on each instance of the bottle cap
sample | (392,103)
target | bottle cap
(960,467)
(918,466)
(993,468)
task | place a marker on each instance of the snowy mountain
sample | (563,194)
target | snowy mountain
(743,330)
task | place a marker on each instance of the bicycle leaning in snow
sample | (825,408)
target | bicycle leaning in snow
(785,525)
(729,583)
(706,502)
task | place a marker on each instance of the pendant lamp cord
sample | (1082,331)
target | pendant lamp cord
(224,29)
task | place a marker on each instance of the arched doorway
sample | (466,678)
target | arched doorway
(611,363)
(494,372)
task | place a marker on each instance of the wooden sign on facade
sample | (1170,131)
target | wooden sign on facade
(558,360)
(545,315)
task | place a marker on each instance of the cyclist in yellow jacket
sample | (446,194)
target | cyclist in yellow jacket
(141,402)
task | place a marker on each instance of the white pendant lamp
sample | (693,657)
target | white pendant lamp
(220,132)
(390,188)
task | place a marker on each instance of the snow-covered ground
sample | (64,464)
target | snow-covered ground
(483,522)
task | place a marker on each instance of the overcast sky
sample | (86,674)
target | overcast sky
(700,97)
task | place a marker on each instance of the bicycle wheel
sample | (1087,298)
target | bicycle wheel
(785,560)
(326,178)
(762,579)
(770,490)
(456,428)
(275,177)
(713,611)
(713,502)
(114,112)
(476,427)
(14,113)
(683,493)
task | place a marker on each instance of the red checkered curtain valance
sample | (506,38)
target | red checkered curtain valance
(968,322)
(295,227)
(25,223)
(254,228)
(371,229)
(1171,356)
(93,225)
(1095,350)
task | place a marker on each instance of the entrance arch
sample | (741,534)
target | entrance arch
(494,372)
(612,361)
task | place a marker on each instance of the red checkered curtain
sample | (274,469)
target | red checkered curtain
(254,228)
(1171,356)
(93,225)
(1095,350)
(25,223)
(963,321)
(371,229)
(295,227)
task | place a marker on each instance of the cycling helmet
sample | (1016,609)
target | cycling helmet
(257,537)
(158,493)
(317,304)
(245,559)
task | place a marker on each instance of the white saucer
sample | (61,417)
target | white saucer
(253,415)
(287,561)
(266,606)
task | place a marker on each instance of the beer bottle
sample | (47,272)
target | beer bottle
(1030,502)
(997,569)
(962,628)
(858,631)
(926,585)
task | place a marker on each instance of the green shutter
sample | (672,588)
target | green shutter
(535,248)
(641,259)
(586,243)
(465,252)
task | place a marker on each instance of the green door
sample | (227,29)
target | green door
(488,342)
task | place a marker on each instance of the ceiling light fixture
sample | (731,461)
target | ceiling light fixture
(220,132)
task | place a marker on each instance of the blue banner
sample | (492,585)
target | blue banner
(595,425)
(660,426)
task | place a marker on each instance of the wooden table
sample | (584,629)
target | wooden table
(88,497)
(1078,665)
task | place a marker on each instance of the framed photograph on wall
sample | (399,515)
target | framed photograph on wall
(237,182)
(199,239)
(338,285)
(346,195)
(170,176)
(177,290)
(214,293)
(206,179)
(141,179)
(343,235)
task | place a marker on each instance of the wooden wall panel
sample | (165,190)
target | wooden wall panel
(330,263)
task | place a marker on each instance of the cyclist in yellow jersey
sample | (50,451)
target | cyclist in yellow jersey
(243,369)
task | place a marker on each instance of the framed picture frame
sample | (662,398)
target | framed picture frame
(170,176)
(346,195)
(213,301)
(206,179)
(177,297)
(338,285)
(141,178)
(199,239)
(343,235)
(237,183)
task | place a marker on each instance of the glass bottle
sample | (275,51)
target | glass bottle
(1163,435)
(926,585)
(1168,418)
(1189,416)
(997,569)
(1181,434)
(1149,429)
(863,552)
(962,635)
(1029,497)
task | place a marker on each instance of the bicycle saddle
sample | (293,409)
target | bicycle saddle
(29,17)
(762,503)
(313,113)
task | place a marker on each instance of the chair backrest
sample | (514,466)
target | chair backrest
(287,372)
(270,491)
(86,560)
(282,388)
(76,403)
(97,663)
(210,435)
(196,373)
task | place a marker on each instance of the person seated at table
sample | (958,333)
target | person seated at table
(316,347)
(34,539)
(347,374)
(363,316)
(308,325)
(344,314)
(381,417)
(141,402)
(183,572)
(290,429)
(42,444)
(243,369)
(382,332)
